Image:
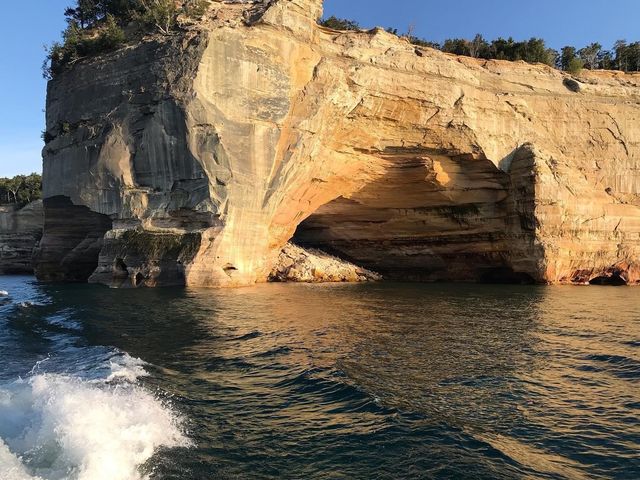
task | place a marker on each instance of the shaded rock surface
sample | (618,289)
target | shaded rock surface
(138,258)
(296,264)
(68,251)
(20,232)
(257,125)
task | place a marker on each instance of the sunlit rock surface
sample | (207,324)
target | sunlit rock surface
(20,232)
(256,125)
(297,264)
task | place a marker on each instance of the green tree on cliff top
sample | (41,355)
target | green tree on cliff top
(98,26)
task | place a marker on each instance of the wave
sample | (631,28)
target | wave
(531,457)
(64,427)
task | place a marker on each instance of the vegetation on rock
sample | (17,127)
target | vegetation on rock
(339,23)
(99,26)
(21,189)
(160,245)
(623,56)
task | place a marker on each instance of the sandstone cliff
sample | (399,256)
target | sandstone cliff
(192,159)
(20,232)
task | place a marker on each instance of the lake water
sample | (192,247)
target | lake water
(378,381)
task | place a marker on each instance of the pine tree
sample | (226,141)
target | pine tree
(86,13)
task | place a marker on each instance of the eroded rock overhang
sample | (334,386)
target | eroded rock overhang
(220,144)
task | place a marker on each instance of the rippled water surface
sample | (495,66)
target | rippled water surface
(336,381)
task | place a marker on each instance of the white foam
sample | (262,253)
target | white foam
(126,368)
(11,467)
(59,427)
(4,293)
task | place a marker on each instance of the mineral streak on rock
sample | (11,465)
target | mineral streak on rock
(20,232)
(257,125)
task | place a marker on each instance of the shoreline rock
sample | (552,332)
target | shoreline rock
(297,264)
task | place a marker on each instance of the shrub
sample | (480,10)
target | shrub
(575,66)
(95,26)
(339,23)
(110,37)
(159,14)
(78,43)
(421,42)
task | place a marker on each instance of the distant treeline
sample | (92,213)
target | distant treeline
(623,56)
(20,189)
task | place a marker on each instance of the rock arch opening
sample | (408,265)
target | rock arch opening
(138,280)
(433,216)
(506,276)
(613,280)
(120,269)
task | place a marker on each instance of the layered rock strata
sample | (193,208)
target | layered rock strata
(221,143)
(20,232)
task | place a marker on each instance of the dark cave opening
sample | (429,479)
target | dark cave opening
(139,279)
(505,276)
(613,280)
(73,238)
(120,269)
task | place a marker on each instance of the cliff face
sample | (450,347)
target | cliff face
(20,231)
(194,159)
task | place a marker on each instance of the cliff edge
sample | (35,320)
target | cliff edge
(194,158)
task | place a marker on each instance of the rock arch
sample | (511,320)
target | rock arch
(260,125)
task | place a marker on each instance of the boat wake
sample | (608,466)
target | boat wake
(65,427)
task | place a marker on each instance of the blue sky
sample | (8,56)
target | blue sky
(33,24)
(560,22)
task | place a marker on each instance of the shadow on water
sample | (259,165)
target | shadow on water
(380,380)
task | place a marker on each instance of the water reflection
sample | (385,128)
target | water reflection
(387,380)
